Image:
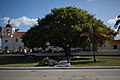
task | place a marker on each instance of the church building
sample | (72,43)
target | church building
(11,39)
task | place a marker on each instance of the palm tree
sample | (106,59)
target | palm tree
(97,34)
(0,31)
(117,24)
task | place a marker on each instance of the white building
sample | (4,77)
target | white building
(11,40)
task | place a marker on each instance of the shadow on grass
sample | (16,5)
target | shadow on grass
(22,60)
(17,60)
(29,60)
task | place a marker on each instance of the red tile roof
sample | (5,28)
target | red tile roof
(115,42)
(18,34)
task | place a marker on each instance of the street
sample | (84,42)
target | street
(74,74)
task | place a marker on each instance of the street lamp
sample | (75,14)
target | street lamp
(68,54)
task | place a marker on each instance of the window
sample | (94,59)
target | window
(16,40)
(6,48)
(6,40)
(115,46)
(8,31)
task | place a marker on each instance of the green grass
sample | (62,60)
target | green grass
(75,62)
(101,61)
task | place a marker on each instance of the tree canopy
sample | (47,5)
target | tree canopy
(68,26)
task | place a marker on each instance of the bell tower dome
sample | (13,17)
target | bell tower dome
(9,29)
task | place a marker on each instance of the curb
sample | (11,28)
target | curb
(58,68)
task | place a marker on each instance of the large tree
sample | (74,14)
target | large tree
(35,37)
(66,28)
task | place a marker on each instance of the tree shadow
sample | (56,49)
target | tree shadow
(17,60)
(22,60)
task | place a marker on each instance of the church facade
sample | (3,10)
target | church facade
(11,39)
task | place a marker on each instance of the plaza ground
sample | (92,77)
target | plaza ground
(79,74)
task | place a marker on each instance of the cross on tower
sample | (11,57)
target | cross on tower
(8,21)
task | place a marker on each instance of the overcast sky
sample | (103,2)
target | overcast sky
(24,13)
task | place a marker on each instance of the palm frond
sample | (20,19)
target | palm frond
(116,24)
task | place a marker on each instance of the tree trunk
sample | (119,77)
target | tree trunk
(94,56)
(93,50)
(67,51)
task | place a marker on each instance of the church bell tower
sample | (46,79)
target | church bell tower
(7,36)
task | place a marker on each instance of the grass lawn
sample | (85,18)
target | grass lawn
(101,61)
(75,62)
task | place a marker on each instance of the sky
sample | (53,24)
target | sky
(23,14)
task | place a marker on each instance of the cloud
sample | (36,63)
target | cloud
(112,21)
(5,19)
(21,21)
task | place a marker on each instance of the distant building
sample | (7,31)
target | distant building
(115,44)
(11,40)
(110,46)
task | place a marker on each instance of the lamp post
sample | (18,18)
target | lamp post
(68,53)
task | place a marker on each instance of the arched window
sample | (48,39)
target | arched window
(6,40)
(8,31)
(16,40)
(6,48)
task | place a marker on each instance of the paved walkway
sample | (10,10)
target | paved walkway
(59,68)
(89,74)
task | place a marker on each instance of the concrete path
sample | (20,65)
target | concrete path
(59,68)
(79,74)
